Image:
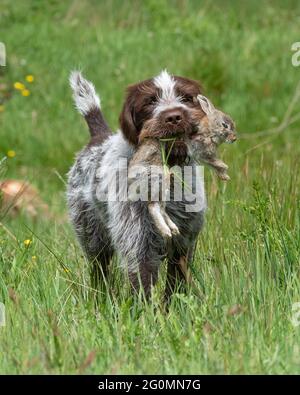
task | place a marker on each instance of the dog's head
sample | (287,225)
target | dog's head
(165,104)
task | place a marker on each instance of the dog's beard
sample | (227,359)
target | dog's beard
(154,128)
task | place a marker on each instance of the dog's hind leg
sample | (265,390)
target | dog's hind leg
(93,237)
(99,268)
(99,252)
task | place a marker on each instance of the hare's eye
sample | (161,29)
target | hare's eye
(225,125)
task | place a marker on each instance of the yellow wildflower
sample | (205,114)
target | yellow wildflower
(27,242)
(11,153)
(19,86)
(1,108)
(29,78)
(25,92)
(33,258)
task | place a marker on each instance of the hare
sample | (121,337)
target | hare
(213,129)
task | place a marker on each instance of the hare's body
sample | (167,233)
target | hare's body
(204,148)
(143,165)
(214,129)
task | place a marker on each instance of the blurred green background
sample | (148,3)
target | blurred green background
(240,53)
(248,254)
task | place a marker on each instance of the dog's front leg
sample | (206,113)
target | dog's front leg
(144,278)
(178,273)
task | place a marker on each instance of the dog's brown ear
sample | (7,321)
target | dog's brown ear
(127,123)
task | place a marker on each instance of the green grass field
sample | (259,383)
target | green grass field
(247,269)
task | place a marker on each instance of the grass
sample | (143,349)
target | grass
(247,263)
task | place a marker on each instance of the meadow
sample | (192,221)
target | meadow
(246,269)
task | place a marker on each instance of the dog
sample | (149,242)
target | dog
(115,226)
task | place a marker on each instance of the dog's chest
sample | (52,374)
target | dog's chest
(186,208)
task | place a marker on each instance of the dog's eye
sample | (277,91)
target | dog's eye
(187,99)
(225,125)
(152,100)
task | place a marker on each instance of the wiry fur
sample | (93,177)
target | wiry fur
(122,227)
(88,104)
(84,94)
(166,83)
(168,98)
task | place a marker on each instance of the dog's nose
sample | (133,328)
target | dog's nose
(173,117)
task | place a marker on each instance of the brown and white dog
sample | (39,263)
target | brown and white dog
(108,225)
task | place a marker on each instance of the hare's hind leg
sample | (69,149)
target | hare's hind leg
(155,211)
(173,227)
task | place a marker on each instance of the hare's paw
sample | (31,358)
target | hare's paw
(173,227)
(174,230)
(166,233)
(224,176)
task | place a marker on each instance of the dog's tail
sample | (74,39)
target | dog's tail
(88,104)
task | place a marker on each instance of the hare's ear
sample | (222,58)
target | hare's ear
(205,104)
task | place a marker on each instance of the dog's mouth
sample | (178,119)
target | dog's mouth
(178,137)
(178,131)
(173,133)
